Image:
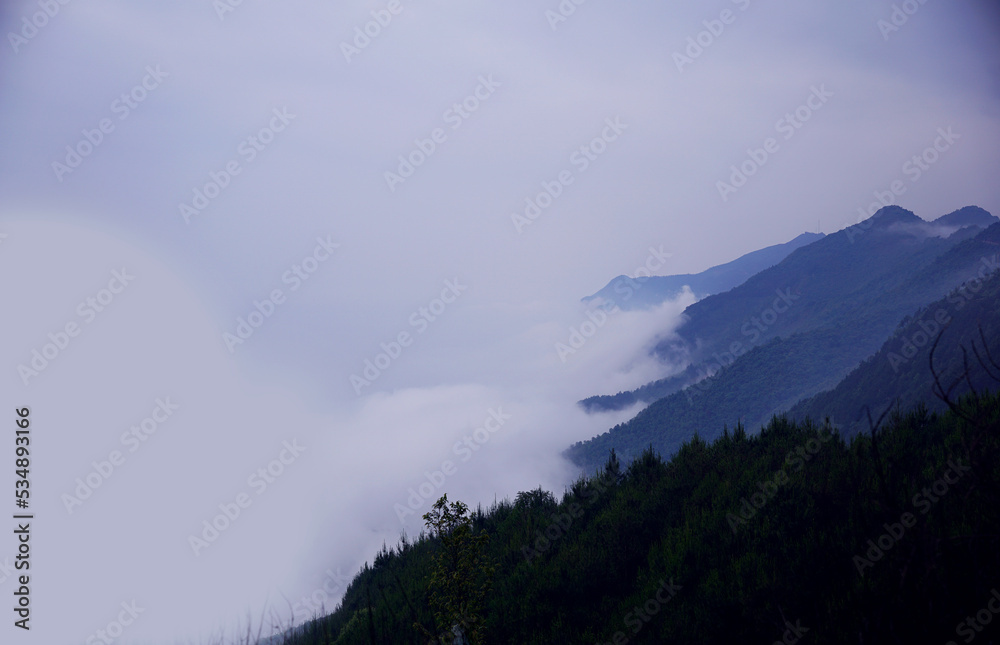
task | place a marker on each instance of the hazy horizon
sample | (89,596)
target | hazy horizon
(260,206)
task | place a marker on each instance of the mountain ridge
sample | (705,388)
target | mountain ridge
(717,279)
(837,327)
(713,325)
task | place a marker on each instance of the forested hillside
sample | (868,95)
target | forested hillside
(881,267)
(899,373)
(866,277)
(891,537)
(870,513)
(775,375)
(772,377)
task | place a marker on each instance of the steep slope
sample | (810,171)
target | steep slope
(730,541)
(765,380)
(656,289)
(853,275)
(899,373)
(829,279)
(772,377)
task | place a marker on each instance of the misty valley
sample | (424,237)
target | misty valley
(825,467)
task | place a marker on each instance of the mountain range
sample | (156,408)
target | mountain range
(627,293)
(797,328)
(793,486)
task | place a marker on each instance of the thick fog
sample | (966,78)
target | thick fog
(297,270)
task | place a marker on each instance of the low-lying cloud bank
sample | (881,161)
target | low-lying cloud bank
(199,484)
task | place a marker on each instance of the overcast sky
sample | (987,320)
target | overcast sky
(432,181)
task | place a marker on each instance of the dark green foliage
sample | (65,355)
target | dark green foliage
(462,575)
(580,569)
(899,374)
(884,534)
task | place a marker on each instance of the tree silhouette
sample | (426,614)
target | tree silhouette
(462,575)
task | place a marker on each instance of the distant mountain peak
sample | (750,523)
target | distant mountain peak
(806,238)
(895,219)
(893,214)
(626,293)
(968,216)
